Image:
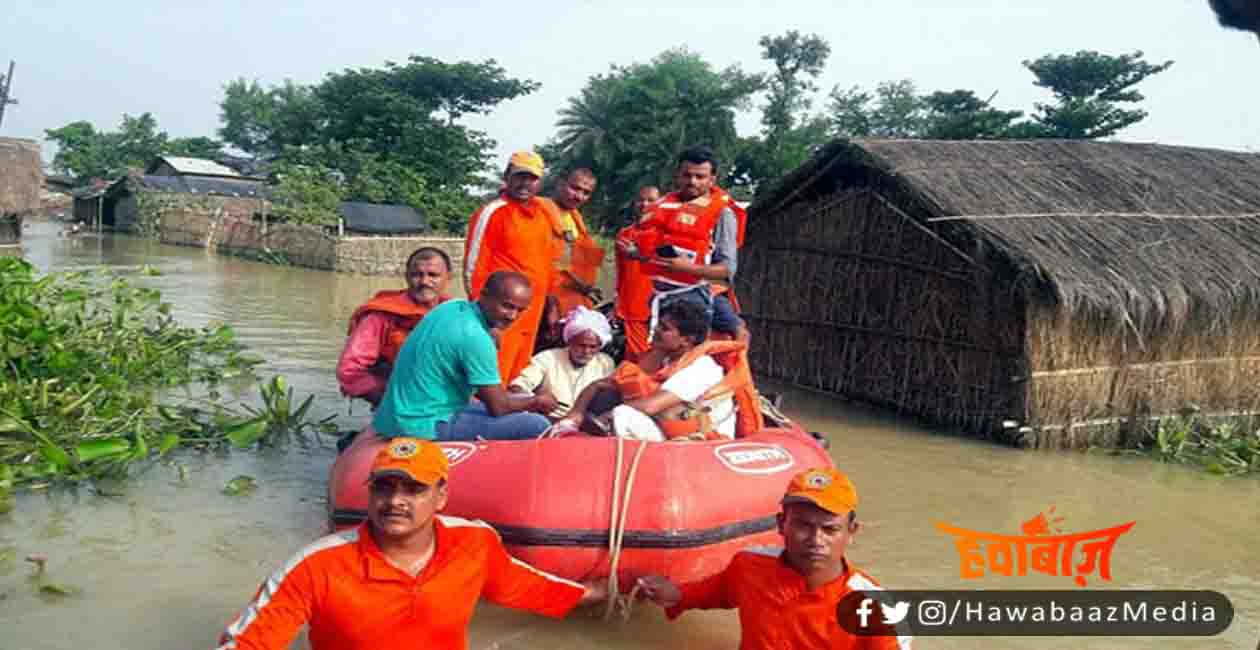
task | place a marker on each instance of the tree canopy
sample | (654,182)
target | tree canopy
(630,123)
(387,135)
(85,153)
(1089,89)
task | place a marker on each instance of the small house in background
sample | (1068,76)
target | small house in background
(379,219)
(235,197)
(60,183)
(87,202)
(1048,293)
(179,166)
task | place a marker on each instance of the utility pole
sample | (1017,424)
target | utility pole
(6,82)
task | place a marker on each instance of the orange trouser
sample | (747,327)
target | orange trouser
(569,298)
(636,338)
(516,343)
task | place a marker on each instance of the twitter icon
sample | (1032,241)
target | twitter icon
(895,614)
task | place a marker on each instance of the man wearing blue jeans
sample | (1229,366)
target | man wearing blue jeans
(450,357)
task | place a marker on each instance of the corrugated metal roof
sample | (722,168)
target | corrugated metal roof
(88,192)
(194,166)
(381,219)
(197,185)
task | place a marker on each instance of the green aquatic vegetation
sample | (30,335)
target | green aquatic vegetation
(1221,448)
(240,486)
(88,367)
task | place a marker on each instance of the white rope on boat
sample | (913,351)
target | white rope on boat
(617,530)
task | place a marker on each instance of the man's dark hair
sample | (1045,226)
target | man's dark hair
(428,253)
(689,318)
(499,281)
(698,156)
(582,171)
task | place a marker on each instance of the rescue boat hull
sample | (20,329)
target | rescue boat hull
(692,505)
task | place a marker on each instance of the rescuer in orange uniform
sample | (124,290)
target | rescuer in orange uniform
(405,578)
(634,285)
(788,598)
(579,257)
(514,232)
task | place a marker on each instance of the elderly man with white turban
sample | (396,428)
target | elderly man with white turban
(564,372)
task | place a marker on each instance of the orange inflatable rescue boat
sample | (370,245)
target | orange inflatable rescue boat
(575,506)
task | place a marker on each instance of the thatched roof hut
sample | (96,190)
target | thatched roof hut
(1052,293)
(21,179)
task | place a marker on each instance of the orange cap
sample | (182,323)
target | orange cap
(826,487)
(419,460)
(526,161)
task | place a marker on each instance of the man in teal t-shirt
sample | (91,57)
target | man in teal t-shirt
(450,357)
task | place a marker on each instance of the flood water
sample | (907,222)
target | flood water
(169,562)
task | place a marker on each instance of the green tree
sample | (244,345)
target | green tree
(1090,90)
(895,111)
(263,121)
(960,115)
(393,134)
(307,193)
(312,180)
(198,147)
(630,123)
(798,60)
(411,111)
(85,153)
(788,134)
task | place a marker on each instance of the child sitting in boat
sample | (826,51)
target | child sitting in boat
(565,372)
(684,387)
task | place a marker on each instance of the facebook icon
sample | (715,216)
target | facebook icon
(864,612)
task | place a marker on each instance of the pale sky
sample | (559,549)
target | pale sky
(97,60)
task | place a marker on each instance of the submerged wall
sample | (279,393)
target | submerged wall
(300,245)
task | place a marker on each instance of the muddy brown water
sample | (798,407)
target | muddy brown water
(171,560)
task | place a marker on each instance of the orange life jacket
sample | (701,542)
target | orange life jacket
(577,258)
(732,356)
(688,227)
(634,286)
(406,315)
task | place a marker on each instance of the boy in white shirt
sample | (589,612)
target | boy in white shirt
(661,396)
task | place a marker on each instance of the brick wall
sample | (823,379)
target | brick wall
(309,246)
(387,255)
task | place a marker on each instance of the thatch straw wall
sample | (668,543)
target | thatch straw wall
(21,176)
(853,298)
(1122,280)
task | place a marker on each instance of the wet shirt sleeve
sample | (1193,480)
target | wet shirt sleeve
(480,357)
(726,241)
(271,621)
(513,583)
(362,351)
(711,593)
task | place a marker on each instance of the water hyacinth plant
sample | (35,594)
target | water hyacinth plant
(88,362)
(1220,448)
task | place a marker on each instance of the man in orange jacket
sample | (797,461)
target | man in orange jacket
(578,256)
(379,327)
(788,598)
(514,232)
(405,578)
(692,237)
(634,285)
